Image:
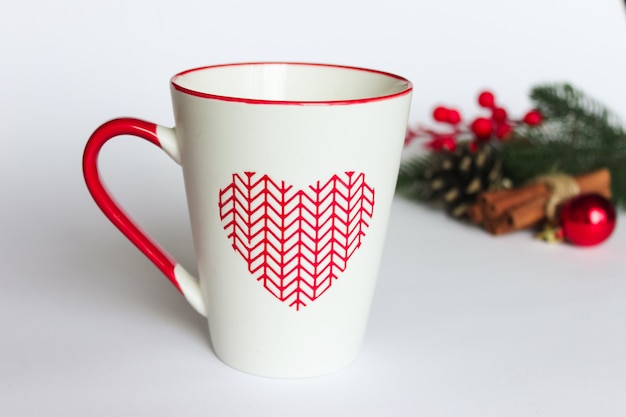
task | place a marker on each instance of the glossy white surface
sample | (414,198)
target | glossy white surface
(462,324)
(505,327)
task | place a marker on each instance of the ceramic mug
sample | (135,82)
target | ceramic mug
(289,171)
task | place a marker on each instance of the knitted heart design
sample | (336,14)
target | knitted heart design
(296,242)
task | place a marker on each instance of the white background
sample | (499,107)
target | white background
(462,324)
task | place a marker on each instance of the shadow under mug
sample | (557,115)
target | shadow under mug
(289,171)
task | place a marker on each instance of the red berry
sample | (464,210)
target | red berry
(533,118)
(499,114)
(440,114)
(482,128)
(448,143)
(410,136)
(454,117)
(486,99)
(438,143)
(503,130)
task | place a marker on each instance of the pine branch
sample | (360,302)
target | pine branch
(563,100)
(579,135)
(413,176)
(574,116)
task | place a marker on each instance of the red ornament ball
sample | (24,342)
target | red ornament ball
(486,99)
(587,219)
(482,128)
(533,118)
(441,113)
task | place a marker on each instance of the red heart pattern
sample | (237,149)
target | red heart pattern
(296,242)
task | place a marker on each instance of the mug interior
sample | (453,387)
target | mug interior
(290,83)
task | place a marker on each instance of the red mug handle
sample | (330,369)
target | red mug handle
(165,139)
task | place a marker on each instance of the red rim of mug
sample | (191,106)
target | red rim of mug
(407,88)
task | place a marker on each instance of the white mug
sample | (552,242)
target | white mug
(289,170)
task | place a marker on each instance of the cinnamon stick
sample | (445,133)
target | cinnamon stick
(497,227)
(516,198)
(504,211)
(475,213)
(521,217)
(528,214)
(594,182)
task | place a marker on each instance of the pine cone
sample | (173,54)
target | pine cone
(455,178)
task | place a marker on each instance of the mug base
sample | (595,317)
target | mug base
(292,372)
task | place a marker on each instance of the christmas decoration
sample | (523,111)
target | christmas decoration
(505,211)
(567,145)
(464,160)
(578,136)
(496,125)
(453,178)
(587,219)
(550,234)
